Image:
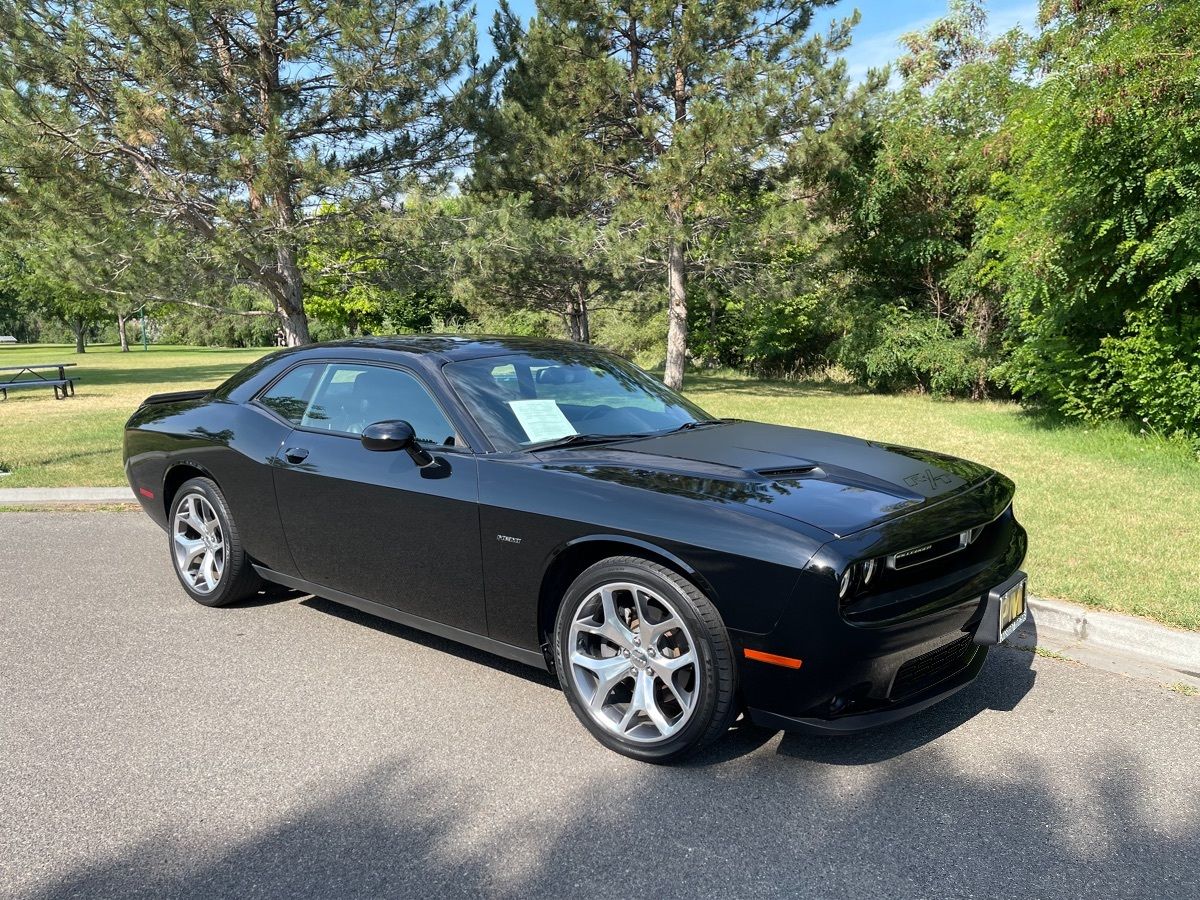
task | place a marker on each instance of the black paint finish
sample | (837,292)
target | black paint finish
(480,544)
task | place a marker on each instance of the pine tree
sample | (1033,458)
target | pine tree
(667,110)
(229,122)
(537,230)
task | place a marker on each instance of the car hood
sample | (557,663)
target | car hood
(833,482)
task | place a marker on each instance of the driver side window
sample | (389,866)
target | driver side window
(347,397)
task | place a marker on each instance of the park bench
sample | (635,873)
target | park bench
(13,378)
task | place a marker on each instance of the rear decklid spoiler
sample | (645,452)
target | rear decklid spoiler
(176,396)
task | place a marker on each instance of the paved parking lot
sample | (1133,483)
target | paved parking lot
(291,748)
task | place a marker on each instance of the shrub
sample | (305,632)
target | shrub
(903,350)
(1151,372)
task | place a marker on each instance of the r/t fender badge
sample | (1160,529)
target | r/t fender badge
(508,539)
(928,477)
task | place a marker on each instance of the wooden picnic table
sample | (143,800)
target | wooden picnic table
(15,378)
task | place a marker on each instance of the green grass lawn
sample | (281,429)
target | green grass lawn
(1113,518)
(50,443)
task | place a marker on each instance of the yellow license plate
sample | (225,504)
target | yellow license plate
(1012,609)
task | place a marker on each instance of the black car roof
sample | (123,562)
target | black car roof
(459,346)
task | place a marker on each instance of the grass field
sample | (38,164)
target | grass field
(49,443)
(1113,518)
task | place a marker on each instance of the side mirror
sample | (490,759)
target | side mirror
(395,435)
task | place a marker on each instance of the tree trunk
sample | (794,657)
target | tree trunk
(289,300)
(288,290)
(585,326)
(677,324)
(122,322)
(571,321)
(577,316)
(80,328)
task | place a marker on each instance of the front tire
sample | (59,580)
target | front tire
(206,549)
(644,660)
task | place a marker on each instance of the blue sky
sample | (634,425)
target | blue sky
(875,38)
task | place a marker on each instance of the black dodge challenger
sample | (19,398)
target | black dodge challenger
(551,503)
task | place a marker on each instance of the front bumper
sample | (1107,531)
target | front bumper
(858,675)
(852,722)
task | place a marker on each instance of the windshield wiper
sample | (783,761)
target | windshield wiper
(581,440)
(698,423)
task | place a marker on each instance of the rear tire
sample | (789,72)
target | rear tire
(206,549)
(644,660)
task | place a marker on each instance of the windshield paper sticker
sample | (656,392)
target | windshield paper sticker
(541,419)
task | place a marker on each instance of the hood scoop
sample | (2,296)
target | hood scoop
(781,473)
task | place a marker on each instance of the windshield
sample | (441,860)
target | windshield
(521,400)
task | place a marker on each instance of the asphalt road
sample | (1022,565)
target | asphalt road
(289,748)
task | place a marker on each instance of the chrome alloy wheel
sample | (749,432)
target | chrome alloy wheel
(199,543)
(633,662)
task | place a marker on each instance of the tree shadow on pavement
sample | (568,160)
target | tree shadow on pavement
(782,826)
(1010,811)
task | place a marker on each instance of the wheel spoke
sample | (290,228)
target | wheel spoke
(208,571)
(643,702)
(610,628)
(609,673)
(651,633)
(187,549)
(668,665)
(194,519)
(684,700)
(617,630)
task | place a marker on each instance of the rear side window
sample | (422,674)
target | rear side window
(347,397)
(289,396)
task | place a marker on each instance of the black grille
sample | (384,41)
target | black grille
(932,667)
(915,556)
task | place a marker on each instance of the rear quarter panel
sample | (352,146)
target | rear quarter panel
(232,444)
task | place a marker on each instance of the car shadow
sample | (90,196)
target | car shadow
(443,645)
(939,826)
(1006,678)
(267,596)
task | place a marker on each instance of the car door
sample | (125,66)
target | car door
(374,524)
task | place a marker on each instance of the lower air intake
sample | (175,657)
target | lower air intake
(932,667)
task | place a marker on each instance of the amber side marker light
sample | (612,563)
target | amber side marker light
(773,658)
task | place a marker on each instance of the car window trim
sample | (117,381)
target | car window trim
(256,400)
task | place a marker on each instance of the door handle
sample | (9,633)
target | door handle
(295,454)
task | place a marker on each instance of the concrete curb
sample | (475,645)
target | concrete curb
(1123,634)
(67,495)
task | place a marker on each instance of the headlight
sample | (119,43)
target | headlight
(847,580)
(857,577)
